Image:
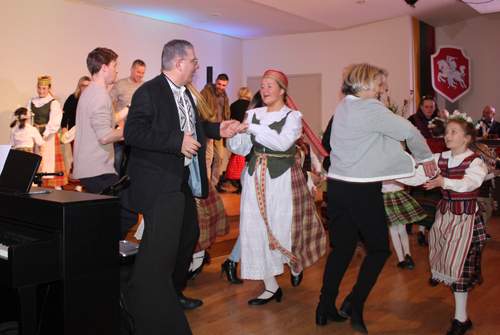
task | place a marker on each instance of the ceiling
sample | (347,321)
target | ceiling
(248,19)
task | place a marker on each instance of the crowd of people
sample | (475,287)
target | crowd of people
(169,139)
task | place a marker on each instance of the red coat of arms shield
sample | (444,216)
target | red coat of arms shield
(450,69)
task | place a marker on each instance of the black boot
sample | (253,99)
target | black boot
(325,311)
(230,268)
(355,312)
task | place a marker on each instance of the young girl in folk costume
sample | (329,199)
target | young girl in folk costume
(23,135)
(401,209)
(459,228)
(278,221)
(47,118)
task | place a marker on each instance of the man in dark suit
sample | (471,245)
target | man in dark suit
(488,125)
(168,155)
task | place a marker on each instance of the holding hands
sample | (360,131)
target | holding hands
(242,128)
(190,146)
(430,168)
(230,128)
(435,182)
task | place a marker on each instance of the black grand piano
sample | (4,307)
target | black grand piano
(59,262)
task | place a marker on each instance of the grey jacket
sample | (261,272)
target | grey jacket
(365,142)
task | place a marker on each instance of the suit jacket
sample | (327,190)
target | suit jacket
(156,164)
(495,129)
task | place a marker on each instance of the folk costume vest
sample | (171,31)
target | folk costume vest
(277,161)
(42,115)
(458,202)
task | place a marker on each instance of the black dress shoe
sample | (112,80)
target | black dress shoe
(433,282)
(189,303)
(325,311)
(238,191)
(296,280)
(220,189)
(409,262)
(421,239)
(401,264)
(459,328)
(276,296)
(193,274)
(230,267)
(348,309)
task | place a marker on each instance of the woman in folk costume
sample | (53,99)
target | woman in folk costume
(278,220)
(458,235)
(47,118)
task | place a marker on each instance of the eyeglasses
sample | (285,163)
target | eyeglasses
(194,60)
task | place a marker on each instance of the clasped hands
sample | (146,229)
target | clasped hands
(228,129)
(436,180)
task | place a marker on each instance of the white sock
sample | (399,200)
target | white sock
(403,235)
(396,242)
(294,273)
(78,188)
(197,260)
(422,229)
(461,306)
(58,188)
(271,286)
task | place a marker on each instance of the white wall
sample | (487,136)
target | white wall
(480,39)
(386,44)
(53,37)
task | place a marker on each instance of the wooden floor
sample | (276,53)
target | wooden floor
(401,302)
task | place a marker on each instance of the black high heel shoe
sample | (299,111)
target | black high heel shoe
(348,309)
(276,296)
(193,274)
(230,267)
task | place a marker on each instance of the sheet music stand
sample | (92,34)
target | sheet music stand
(19,172)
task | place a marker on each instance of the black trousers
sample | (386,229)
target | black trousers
(153,300)
(355,209)
(96,184)
(190,233)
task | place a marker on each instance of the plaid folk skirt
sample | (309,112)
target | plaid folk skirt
(58,167)
(401,208)
(444,233)
(212,218)
(308,235)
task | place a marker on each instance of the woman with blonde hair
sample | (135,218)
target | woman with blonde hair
(47,118)
(69,116)
(365,150)
(278,220)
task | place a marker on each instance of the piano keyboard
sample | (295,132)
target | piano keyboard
(4,251)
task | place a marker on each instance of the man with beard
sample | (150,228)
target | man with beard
(216,97)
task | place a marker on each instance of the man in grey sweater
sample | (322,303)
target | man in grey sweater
(95,130)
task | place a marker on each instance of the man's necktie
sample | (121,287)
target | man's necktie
(187,122)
